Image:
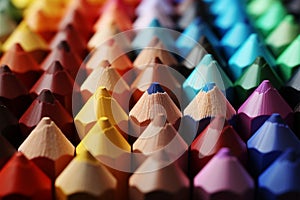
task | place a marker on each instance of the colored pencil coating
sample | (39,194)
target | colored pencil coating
(235,37)
(268,142)
(208,70)
(9,127)
(262,103)
(246,54)
(64,54)
(101,104)
(13,93)
(46,105)
(216,135)
(21,179)
(147,92)
(271,18)
(279,183)
(71,36)
(224,178)
(291,90)
(60,82)
(258,71)
(22,64)
(108,146)
(6,151)
(282,35)
(289,60)
(7,25)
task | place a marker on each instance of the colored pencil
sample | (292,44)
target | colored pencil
(60,82)
(209,102)
(268,182)
(67,58)
(21,179)
(9,127)
(161,135)
(46,105)
(13,93)
(262,103)
(216,135)
(91,180)
(51,159)
(29,40)
(156,178)
(101,104)
(22,64)
(156,49)
(224,178)
(268,142)
(6,151)
(108,145)
(156,101)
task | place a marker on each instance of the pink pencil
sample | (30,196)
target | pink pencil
(224,178)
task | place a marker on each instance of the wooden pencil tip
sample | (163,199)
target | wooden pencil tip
(159,120)
(155,88)
(46,121)
(104,63)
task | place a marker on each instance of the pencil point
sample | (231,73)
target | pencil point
(155,88)
(104,123)
(64,45)
(46,96)
(54,67)
(276,118)
(5,69)
(264,86)
(209,86)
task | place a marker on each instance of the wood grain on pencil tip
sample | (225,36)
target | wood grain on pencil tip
(52,152)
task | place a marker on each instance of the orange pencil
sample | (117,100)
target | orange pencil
(22,64)
(21,179)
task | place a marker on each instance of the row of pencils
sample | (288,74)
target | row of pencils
(149,99)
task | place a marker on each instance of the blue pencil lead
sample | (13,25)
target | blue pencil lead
(155,88)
